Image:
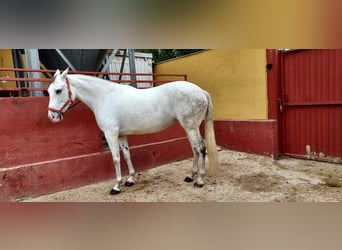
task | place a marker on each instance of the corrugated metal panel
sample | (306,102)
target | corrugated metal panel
(312,98)
(81,59)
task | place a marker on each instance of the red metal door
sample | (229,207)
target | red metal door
(312,104)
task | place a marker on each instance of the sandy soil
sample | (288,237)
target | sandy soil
(243,177)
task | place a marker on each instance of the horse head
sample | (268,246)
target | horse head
(60,96)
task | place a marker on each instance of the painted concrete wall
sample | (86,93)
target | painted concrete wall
(39,157)
(236,80)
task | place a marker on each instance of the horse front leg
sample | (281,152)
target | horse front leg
(113,143)
(125,149)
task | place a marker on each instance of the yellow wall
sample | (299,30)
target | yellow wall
(236,80)
(6,61)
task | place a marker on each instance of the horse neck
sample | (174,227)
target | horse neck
(88,89)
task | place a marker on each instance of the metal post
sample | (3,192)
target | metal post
(109,60)
(65,59)
(122,64)
(132,69)
(32,60)
(18,64)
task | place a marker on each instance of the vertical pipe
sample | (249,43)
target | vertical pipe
(32,60)
(123,64)
(132,69)
(17,64)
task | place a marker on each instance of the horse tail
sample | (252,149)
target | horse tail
(210,138)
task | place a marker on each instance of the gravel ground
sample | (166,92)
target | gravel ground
(243,177)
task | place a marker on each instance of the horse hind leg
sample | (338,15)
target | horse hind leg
(201,168)
(190,177)
(199,150)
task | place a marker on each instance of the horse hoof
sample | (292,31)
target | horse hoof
(114,192)
(129,183)
(188,179)
(199,185)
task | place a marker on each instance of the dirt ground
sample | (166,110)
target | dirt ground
(243,177)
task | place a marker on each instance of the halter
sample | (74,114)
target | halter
(69,101)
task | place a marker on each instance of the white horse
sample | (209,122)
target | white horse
(122,110)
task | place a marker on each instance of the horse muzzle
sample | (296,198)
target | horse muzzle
(55,116)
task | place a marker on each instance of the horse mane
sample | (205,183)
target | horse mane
(96,80)
(88,78)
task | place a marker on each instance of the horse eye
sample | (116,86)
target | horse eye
(58,91)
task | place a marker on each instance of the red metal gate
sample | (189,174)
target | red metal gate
(312,104)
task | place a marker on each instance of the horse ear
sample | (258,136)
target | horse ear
(57,73)
(65,72)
